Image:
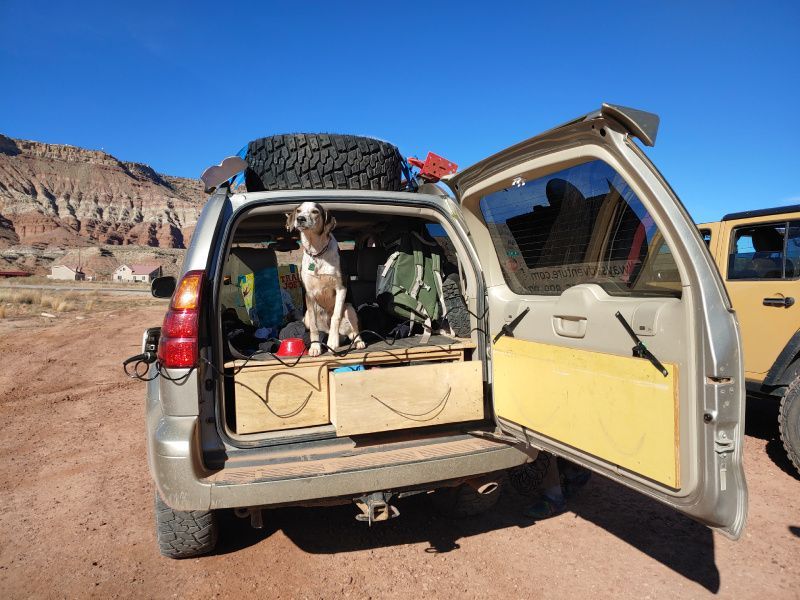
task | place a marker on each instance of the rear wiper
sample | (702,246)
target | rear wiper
(640,350)
(508,328)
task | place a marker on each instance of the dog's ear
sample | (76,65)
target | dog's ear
(330,225)
(290,220)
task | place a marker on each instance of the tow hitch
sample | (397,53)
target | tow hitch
(376,507)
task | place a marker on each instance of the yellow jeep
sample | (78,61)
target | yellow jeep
(758,254)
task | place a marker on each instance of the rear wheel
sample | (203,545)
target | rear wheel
(322,161)
(183,534)
(789,422)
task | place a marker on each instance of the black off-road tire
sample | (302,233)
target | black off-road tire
(464,500)
(183,534)
(527,479)
(457,313)
(300,161)
(789,422)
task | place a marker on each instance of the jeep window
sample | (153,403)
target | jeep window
(770,251)
(579,225)
(706,235)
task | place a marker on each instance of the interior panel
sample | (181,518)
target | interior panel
(619,409)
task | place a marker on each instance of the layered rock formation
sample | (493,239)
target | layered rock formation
(63,195)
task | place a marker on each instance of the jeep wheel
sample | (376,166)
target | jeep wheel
(465,500)
(183,534)
(322,161)
(789,422)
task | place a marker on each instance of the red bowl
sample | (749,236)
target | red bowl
(291,347)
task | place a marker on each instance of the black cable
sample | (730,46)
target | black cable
(148,358)
(336,353)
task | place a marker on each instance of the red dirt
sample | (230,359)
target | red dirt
(77,519)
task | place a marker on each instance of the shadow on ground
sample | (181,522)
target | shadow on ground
(761,421)
(679,543)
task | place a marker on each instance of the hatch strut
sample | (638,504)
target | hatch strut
(508,328)
(640,350)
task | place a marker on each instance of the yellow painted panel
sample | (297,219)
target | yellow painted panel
(617,408)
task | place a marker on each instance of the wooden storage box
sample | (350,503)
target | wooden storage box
(385,399)
(273,398)
(270,396)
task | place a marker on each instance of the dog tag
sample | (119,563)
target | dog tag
(311,266)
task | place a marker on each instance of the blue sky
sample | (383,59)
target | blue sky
(181,85)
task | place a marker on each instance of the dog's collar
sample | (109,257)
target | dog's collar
(321,252)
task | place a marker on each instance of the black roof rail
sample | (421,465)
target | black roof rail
(761,212)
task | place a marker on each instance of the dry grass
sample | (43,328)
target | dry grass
(21,296)
(57,302)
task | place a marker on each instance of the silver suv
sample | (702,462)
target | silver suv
(594,327)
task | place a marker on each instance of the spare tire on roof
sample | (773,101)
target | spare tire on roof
(300,161)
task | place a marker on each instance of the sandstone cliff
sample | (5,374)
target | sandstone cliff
(66,196)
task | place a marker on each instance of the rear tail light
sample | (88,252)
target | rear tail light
(177,348)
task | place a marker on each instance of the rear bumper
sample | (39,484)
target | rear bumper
(175,465)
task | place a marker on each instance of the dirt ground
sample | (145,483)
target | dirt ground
(76,510)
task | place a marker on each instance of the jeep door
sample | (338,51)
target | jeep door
(578,234)
(760,260)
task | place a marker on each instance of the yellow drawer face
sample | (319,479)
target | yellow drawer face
(387,399)
(277,398)
(617,408)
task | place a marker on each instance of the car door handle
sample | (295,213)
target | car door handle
(569,326)
(779,302)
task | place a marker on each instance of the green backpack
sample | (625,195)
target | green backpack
(409,283)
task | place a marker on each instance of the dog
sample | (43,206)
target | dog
(321,274)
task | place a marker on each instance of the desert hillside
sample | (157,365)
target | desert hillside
(56,198)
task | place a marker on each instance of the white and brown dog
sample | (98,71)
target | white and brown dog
(321,273)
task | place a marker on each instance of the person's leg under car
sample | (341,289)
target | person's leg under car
(551,502)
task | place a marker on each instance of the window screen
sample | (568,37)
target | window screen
(769,251)
(579,225)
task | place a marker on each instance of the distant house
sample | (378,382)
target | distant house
(66,272)
(145,273)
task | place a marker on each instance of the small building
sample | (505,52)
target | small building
(66,272)
(144,273)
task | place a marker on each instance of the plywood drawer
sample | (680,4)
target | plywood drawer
(275,398)
(403,397)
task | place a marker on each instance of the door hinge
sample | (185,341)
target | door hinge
(723,444)
(497,436)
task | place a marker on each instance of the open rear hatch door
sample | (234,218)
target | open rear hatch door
(614,342)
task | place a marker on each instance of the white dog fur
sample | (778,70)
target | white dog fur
(321,274)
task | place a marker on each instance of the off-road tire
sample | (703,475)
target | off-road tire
(183,534)
(528,479)
(302,161)
(789,422)
(464,500)
(457,313)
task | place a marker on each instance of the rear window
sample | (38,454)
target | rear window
(579,225)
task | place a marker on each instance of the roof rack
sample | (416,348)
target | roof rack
(761,212)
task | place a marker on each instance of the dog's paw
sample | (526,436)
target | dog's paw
(315,350)
(359,345)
